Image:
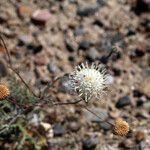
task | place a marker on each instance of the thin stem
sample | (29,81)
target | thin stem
(113,50)
(68,103)
(7,52)
(28,87)
(11,67)
(98,116)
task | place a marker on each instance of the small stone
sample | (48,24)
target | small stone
(48,129)
(123,101)
(35,48)
(40,60)
(92,54)
(70,46)
(74,126)
(139,136)
(58,130)
(145,86)
(3,69)
(90,143)
(137,93)
(79,31)
(41,16)
(24,11)
(24,40)
(87,11)
(117,72)
(65,85)
(105,126)
(52,68)
(84,45)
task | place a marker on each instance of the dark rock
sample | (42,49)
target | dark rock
(105,126)
(137,53)
(3,69)
(99,23)
(65,85)
(90,143)
(123,101)
(35,48)
(101,2)
(139,102)
(117,72)
(58,130)
(79,31)
(52,68)
(84,45)
(131,31)
(137,93)
(87,11)
(71,58)
(142,6)
(70,46)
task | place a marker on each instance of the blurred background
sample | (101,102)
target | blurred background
(48,38)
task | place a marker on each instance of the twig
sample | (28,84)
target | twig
(98,116)
(11,67)
(68,103)
(7,52)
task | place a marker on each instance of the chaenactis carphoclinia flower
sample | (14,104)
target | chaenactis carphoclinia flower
(121,127)
(4,91)
(89,81)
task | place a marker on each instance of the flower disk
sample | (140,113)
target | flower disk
(121,127)
(89,82)
(4,92)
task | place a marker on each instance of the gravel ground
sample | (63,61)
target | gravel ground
(48,38)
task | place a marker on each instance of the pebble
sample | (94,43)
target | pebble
(40,60)
(48,129)
(24,11)
(74,126)
(105,126)
(90,143)
(123,101)
(92,54)
(145,86)
(79,31)
(65,85)
(35,48)
(84,45)
(137,93)
(71,47)
(52,68)
(3,69)
(117,72)
(59,130)
(87,11)
(41,16)
(24,40)
(139,136)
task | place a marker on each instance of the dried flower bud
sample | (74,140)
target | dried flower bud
(121,127)
(4,91)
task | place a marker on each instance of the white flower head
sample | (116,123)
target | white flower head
(89,82)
